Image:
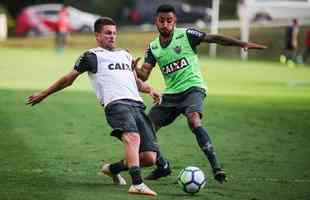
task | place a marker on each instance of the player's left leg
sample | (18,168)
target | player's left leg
(204,141)
(113,170)
(147,158)
(160,116)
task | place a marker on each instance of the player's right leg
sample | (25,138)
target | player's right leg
(194,112)
(205,144)
(131,141)
(121,117)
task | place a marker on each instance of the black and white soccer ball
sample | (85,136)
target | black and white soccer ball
(192,180)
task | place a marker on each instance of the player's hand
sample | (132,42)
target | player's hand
(251,45)
(156,96)
(134,63)
(35,98)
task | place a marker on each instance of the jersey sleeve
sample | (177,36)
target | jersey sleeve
(195,37)
(149,57)
(86,62)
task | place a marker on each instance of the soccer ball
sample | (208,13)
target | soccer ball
(191,180)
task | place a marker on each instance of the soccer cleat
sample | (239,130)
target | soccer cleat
(159,172)
(220,176)
(117,178)
(141,189)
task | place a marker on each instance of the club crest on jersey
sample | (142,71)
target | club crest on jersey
(175,66)
(177,49)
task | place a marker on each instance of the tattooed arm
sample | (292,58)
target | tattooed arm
(223,40)
(230,41)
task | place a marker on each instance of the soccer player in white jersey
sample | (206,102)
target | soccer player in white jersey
(117,87)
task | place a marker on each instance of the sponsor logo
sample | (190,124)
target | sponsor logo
(119,66)
(175,66)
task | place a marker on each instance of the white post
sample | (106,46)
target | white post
(214,25)
(245,32)
(243,11)
(3,27)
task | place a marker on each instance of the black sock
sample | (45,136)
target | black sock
(205,144)
(160,161)
(117,167)
(135,173)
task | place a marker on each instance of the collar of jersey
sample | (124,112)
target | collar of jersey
(168,42)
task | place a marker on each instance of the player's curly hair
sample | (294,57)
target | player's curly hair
(165,8)
(103,21)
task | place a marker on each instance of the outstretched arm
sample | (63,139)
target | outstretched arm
(60,84)
(230,41)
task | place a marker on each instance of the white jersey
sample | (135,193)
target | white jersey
(114,79)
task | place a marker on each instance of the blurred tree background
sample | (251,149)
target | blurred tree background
(113,8)
(100,7)
(228,8)
(116,8)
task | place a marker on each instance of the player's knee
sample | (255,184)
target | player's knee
(147,158)
(193,120)
(131,138)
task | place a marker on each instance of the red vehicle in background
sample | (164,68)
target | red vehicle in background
(41,20)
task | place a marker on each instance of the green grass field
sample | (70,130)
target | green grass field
(257,114)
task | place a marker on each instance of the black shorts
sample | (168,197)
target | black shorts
(131,118)
(189,101)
